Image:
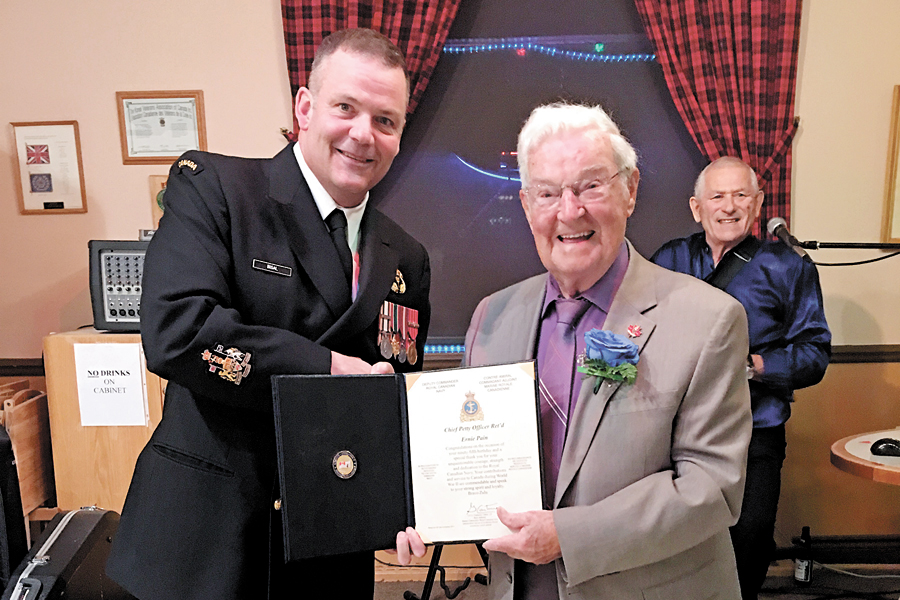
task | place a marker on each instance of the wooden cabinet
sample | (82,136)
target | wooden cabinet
(93,465)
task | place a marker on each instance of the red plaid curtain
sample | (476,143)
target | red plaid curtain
(418,27)
(731,67)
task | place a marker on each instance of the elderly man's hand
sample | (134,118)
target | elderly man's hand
(533,538)
(408,542)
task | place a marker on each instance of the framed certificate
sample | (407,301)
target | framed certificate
(157,127)
(50,174)
(362,457)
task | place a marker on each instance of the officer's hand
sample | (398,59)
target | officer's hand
(341,364)
(382,368)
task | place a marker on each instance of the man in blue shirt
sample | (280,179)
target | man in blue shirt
(790,343)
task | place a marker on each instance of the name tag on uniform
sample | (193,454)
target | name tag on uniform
(268,267)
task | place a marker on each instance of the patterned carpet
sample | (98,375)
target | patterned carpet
(825,584)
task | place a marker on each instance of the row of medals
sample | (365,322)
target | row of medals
(391,343)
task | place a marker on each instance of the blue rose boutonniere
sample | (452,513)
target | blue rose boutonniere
(608,355)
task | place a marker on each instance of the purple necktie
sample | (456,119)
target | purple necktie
(556,369)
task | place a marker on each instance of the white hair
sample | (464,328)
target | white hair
(551,119)
(724,161)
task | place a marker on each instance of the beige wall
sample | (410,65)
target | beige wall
(63,60)
(60,60)
(849,65)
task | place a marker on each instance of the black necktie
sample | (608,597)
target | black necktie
(337,227)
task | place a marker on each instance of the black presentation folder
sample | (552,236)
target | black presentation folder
(348,444)
(348,424)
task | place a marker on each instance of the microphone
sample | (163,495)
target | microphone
(778,227)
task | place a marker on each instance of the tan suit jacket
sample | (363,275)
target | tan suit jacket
(652,474)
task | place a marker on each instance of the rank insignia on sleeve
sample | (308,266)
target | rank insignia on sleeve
(231,364)
(399,286)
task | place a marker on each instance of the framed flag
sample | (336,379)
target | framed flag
(50,172)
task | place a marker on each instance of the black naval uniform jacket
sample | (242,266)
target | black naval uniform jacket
(196,522)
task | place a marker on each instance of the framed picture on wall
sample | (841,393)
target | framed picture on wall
(157,127)
(890,224)
(157,191)
(50,173)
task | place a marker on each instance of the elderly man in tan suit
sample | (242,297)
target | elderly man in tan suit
(643,477)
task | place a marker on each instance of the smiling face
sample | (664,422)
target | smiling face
(350,125)
(728,206)
(578,241)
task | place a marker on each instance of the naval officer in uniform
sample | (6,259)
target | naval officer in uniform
(263,267)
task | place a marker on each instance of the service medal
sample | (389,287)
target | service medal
(401,356)
(384,334)
(412,330)
(395,329)
(395,344)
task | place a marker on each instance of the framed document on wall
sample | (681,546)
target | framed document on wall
(50,173)
(157,127)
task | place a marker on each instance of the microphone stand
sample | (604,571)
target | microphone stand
(814,245)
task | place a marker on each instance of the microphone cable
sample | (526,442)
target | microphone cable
(853,264)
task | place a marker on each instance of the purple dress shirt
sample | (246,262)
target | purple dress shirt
(538,582)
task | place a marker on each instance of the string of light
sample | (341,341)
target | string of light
(444,348)
(524,48)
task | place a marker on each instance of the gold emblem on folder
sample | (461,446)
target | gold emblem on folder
(344,464)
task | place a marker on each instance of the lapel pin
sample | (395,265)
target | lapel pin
(634,331)
(399,286)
